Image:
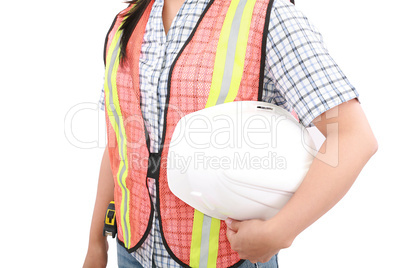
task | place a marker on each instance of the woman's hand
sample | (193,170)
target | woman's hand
(256,240)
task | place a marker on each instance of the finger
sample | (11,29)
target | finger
(232,224)
(231,235)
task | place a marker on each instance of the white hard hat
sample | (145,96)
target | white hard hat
(242,160)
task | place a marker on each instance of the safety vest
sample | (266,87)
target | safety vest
(222,61)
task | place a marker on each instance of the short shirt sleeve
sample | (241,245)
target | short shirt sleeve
(300,75)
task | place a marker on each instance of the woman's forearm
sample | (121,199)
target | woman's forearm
(103,197)
(349,145)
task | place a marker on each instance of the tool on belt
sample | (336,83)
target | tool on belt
(110,227)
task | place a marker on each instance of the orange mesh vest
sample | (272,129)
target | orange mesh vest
(222,61)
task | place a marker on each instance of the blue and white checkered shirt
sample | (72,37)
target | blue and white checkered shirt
(299,75)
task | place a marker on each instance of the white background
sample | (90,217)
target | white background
(51,61)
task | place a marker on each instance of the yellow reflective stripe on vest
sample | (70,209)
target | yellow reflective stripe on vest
(226,79)
(205,241)
(116,120)
(229,59)
(241,48)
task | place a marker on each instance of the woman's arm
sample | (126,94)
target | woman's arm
(98,246)
(349,145)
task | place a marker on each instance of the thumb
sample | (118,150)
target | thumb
(232,224)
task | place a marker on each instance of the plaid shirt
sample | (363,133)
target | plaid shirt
(299,74)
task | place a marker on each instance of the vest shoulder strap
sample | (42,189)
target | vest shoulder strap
(110,30)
